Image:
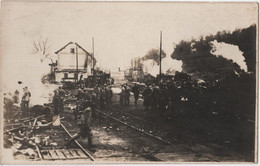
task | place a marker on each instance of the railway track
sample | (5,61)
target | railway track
(126,121)
(61,153)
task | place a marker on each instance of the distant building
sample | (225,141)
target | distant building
(134,74)
(118,76)
(73,61)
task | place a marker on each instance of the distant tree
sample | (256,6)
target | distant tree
(41,47)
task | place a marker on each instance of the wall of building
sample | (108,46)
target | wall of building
(118,75)
(68,60)
(60,75)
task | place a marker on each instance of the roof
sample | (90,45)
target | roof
(83,49)
(63,47)
(76,45)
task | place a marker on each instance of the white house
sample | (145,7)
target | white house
(73,61)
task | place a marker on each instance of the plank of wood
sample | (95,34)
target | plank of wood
(67,153)
(53,154)
(60,154)
(30,119)
(38,151)
(74,153)
(81,154)
(34,122)
(46,155)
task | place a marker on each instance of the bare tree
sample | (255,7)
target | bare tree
(42,48)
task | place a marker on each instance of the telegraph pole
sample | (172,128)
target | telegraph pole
(77,62)
(93,61)
(160,67)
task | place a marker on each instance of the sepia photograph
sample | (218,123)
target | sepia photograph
(94,82)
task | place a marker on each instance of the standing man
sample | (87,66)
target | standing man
(122,96)
(109,95)
(58,107)
(136,90)
(84,124)
(127,95)
(146,97)
(25,99)
(16,97)
(102,98)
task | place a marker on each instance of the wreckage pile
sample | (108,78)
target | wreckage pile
(32,135)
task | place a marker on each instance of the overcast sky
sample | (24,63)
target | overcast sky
(122,30)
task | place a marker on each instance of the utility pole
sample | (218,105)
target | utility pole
(93,61)
(160,68)
(77,62)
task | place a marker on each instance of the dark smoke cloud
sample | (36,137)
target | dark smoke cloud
(154,54)
(197,57)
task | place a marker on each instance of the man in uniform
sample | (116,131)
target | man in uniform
(122,96)
(102,98)
(136,90)
(25,99)
(146,96)
(58,108)
(84,124)
(127,94)
(109,95)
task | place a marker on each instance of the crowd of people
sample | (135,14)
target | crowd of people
(224,97)
(96,97)
(124,95)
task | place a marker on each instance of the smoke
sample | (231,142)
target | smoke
(169,66)
(32,69)
(150,66)
(228,51)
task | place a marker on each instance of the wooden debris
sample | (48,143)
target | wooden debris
(53,154)
(38,151)
(60,154)
(67,153)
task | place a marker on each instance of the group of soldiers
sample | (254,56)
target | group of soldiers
(124,95)
(156,97)
(172,96)
(98,96)
(14,99)
(180,97)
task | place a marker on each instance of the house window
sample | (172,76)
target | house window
(72,50)
(65,75)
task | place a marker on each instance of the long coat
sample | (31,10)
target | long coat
(146,96)
(57,104)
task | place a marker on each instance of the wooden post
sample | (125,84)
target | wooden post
(77,63)
(160,72)
(93,61)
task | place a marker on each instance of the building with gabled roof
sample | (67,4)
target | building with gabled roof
(72,62)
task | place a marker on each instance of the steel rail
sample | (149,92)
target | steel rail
(153,136)
(84,151)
